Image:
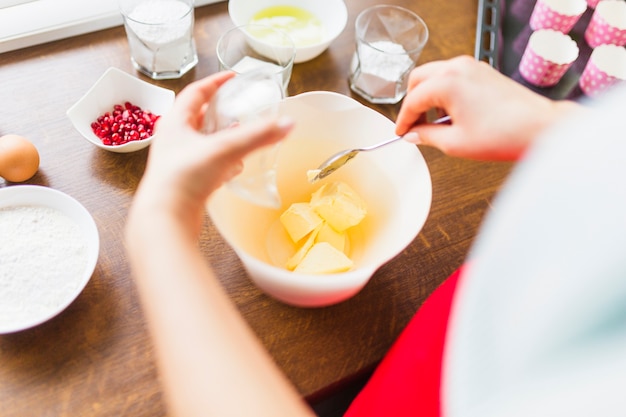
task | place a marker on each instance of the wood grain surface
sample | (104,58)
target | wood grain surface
(96,357)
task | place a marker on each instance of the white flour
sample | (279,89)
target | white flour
(385,59)
(43,256)
(163,40)
(162,21)
(382,69)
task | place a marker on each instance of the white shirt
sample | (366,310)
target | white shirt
(538,326)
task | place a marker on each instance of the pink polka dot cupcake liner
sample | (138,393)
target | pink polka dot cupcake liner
(559,15)
(607,24)
(606,67)
(547,57)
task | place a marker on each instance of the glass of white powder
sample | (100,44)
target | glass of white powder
(389,41)
(160,36)
(246,98)
(250,47)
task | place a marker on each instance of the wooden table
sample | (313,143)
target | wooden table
(96,358)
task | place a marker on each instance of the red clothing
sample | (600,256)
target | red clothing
(407,381)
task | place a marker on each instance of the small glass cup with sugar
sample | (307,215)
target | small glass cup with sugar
(252,47)
(160,36)
(389,41)
(244,99)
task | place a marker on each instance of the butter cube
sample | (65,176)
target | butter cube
(297,257)
(311,174)
(339,205)
(330,235)
(323,258)
(299,220)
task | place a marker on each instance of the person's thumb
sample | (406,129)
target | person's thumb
(438,136)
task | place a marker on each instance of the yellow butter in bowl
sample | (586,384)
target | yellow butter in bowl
(323,258)
(330,235)
(324,220)
(302,251)
(299,220)
(339,205)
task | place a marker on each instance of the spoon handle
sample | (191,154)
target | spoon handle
(441,120)
(380,144)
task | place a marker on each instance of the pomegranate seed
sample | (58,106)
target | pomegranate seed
(126,122)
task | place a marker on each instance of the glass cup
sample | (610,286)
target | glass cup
(243,99)
(249,47)
(389,40)
(160,36)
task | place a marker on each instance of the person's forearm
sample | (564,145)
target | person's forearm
(211,362)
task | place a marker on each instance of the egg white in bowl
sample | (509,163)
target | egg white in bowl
(332,16)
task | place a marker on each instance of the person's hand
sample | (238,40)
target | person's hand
(186,165)
(493,117)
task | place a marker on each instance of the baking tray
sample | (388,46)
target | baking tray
(502,32)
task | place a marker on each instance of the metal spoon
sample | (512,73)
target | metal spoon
(341,158)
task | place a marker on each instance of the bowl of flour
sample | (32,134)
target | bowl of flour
(48,252)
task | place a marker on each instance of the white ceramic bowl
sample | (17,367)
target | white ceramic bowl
(394,181)
(51,301)
(332,13)
(117,87)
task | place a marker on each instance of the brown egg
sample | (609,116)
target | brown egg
(19,158)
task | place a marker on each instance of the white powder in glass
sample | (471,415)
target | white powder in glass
(154,15)
(43,256)
(248,63)
(385,59)
(380,69)
(160,35)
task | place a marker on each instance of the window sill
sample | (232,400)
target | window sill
(42,21)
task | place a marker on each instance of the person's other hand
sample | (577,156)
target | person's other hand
(186,165)
(493,117)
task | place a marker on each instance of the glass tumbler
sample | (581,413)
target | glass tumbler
(160,36)
(243,99)
(389,40)
(249,47)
